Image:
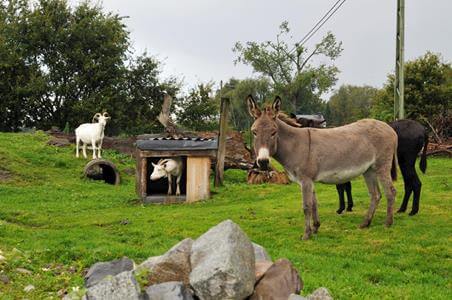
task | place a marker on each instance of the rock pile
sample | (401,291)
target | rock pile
(221,264)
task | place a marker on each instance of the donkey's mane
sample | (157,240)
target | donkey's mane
(288,120)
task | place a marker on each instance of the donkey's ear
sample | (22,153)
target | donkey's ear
(253,110)
(276,106)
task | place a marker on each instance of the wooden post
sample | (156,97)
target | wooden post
(221,153)
(143,177)
(399,86)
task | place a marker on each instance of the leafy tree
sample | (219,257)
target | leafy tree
(80,55)
(16,75)
(60,65)
(428,93)
(198,111)
(289,68)
(144,95)
(237,91)
(350,103)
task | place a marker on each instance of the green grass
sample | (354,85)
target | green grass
(57,224)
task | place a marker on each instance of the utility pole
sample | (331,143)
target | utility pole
(399,83)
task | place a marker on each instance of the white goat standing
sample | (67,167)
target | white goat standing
(92,133)
(166,168)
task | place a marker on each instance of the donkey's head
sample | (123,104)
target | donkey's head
(265,130)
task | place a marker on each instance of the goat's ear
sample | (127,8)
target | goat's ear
(96,117)
(276,106)
(154,165)
(253,110)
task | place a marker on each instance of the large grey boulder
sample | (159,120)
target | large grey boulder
(279,282)
(222,261)
(100,270)
(174,265)
(260,254)
(169,290)
(119,287)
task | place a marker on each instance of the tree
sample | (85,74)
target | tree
(144,95)
(289,68)
(60,65)
(16,76)
(198,111)
(237,91)
(428,93)
(350,103)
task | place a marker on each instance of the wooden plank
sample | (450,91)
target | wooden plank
(143,177)
(164,199)
(198,184)
(221,153)
(198,153)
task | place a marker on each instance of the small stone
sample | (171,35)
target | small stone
(320,294)
(29,288)
(100,270)
(260,254)
(4,278)
(169,290)
(23,271)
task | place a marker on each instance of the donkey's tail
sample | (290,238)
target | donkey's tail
(423,162)
(394,164)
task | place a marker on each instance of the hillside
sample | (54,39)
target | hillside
(56,224)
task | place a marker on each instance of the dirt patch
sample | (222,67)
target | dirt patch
(238,156)
(5,175)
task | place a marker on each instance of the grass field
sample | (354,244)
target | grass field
(56,224)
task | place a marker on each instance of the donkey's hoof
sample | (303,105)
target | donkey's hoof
(306,236)
(364,224)
(349,209)
(340,211)
(401,210)
(412,213)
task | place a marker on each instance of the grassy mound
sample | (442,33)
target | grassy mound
(56,224)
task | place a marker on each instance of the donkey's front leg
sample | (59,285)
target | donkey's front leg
(307,189)
(178,185)
(170,185)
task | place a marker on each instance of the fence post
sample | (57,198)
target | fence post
(221,153)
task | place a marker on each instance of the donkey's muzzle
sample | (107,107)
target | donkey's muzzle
(263,164)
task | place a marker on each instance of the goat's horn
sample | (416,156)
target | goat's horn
(96,116)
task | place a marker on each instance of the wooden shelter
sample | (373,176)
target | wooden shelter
(196,155)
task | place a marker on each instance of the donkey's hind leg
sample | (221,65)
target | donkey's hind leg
(315,213)
(370,177)
(384,177)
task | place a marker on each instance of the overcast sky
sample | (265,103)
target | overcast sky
(194,38)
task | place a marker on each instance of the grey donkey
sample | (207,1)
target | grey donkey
(333,155)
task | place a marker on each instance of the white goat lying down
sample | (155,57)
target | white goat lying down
(166,168)
(92,133)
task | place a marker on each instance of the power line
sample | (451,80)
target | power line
(320,23)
